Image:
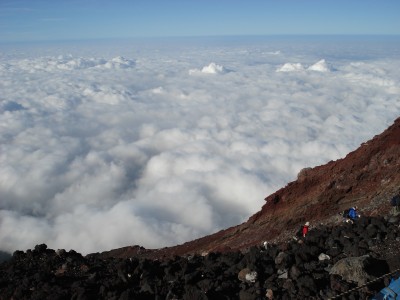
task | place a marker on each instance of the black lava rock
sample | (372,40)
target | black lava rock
(290,271)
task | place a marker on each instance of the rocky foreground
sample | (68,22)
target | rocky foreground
(329,261)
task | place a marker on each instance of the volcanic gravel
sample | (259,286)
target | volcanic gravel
(301,268)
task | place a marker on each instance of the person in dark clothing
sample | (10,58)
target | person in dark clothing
(395,202)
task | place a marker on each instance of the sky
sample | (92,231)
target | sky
(105,145)
(44,20)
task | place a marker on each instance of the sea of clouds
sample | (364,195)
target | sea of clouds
(104,145)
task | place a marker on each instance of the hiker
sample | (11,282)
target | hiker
(301,232)
(395,202)
(305,229)
(353,214)
(265,245)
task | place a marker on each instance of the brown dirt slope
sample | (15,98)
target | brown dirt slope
(367,177)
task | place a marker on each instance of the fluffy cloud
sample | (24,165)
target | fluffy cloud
(68,62)
(212,68)
(104,148)
(319,66)
(290,67)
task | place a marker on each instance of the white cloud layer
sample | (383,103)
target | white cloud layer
(115,146)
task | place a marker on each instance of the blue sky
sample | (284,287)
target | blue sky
(28,20)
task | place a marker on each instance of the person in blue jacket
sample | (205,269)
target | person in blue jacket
(353,214)
(391,292)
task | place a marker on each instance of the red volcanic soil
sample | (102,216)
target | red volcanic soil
(367,177)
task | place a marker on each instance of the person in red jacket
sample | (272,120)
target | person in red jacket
(305,228)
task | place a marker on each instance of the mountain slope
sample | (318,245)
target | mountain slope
(367,177)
